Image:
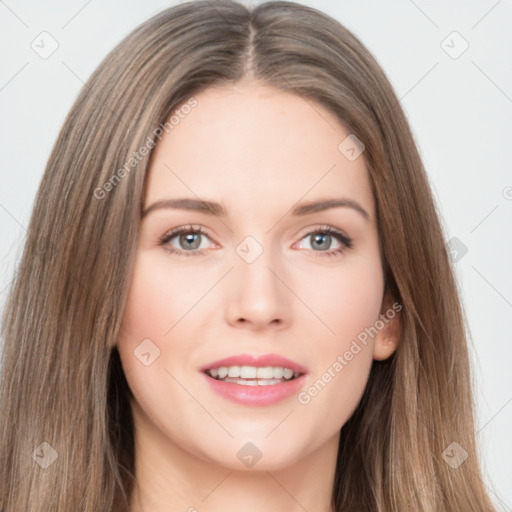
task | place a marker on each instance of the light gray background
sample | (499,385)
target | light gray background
(459,109)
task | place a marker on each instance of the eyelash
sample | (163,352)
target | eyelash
(346,241)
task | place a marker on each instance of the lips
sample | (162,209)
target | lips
(262,393)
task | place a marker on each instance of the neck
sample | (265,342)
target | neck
(170,476)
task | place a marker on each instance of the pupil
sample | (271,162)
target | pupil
(325,245)
(187,239)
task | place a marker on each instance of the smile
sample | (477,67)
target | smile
(254,391)
(253,375)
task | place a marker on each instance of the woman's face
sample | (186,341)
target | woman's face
(263,278)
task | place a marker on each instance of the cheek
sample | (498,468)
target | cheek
(150,312)
(156,303)
(348,304)
(159,296)
(345,298)
(161,314)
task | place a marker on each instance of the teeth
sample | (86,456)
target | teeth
(248,372)
(288,374)
(279,372)
(264,374)
(234,371)
(254,382)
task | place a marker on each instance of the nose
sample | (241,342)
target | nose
(257,295)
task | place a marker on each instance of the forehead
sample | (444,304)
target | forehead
(249,144)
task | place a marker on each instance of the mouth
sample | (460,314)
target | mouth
(253,375)
(255,380)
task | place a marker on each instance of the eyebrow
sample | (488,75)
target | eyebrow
(214,208)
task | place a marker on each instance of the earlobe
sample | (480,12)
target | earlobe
(384,347)
(387,339)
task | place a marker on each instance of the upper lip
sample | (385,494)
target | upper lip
(259,361)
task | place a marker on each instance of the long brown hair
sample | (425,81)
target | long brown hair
(66,426)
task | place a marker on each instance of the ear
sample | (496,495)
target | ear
(388,337)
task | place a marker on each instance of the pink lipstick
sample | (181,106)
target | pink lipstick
(256,381)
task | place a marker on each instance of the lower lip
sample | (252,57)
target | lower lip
(255,395)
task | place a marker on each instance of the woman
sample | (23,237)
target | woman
(255,368)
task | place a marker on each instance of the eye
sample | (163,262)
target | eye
(322,237)
(187,236)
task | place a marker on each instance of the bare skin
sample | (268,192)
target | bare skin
(259,152)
